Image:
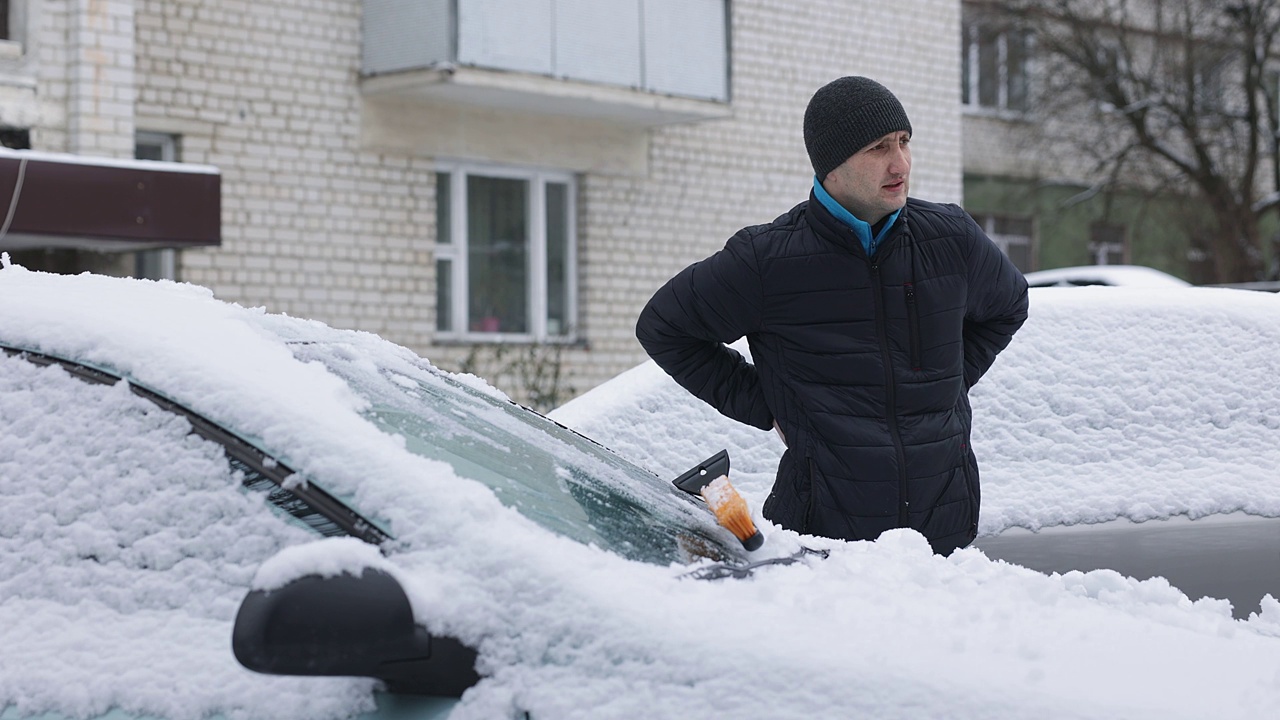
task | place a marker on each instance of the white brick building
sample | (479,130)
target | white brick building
(607,143)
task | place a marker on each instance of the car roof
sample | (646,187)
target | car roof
(1115,275)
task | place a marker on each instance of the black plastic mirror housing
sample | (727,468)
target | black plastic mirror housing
(349,625)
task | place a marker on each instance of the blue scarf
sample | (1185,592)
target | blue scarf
(860,228)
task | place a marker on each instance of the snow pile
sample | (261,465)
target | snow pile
(126,545)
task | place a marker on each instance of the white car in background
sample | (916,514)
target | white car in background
(1109,275)
(212,511)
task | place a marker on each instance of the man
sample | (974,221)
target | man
(869,316)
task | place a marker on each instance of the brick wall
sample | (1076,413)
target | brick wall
(100,81)
(320,222)
(313,225)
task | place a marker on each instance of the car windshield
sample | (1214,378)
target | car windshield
(552,475)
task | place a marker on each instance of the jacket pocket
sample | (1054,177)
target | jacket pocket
(913,325)
(786,502)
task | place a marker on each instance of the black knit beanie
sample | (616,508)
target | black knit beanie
(844,116)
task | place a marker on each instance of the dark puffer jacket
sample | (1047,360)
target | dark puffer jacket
(865,363)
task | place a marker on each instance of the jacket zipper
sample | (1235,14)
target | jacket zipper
(891,401)
(913,326)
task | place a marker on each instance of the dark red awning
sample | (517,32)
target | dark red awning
(75,201)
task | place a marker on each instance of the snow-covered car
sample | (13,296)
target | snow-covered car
(186,483)
(1109,275)
(1129,429)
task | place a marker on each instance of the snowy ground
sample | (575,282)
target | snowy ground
(124,549)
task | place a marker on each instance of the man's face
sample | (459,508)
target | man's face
(873,182)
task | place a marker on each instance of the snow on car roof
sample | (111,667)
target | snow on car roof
(1110,402)
(883,629)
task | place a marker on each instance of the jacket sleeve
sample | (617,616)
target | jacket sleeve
(997,305)
(687,323)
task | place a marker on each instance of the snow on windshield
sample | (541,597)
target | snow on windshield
(883,629)
(121,565)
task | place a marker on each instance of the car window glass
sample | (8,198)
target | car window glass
(555,477)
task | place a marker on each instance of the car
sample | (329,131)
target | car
(1259,285)
(1109,275)
(1129,429)
(209,510)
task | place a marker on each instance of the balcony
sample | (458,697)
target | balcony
(632,62)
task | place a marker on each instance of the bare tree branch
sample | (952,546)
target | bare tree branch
(1166,93)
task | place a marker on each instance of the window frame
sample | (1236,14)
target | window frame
(1004,240)
(456,252)
(971,68)
(1108,243)
(13,41)
(161,264)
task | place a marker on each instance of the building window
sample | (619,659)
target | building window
(1012,235)
(15,138)
(1210,79)
(505,254)
(13,22)
(155,146)
(155,264)
(1106,244)
(994,67)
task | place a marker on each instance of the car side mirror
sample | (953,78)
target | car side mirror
(349,625)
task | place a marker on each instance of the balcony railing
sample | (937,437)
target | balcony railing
(595,56)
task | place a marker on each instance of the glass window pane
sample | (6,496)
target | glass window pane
(1102,232)
(444,209)
(444,295)
(988,67)
(497,255)
(1013,226)
(550,474)
(966,44)
(558,319)
(148,151)
(155,264)
(155,146)
(1016,66)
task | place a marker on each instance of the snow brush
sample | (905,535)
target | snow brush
(710,481)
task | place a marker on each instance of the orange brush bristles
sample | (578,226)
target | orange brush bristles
(729,507)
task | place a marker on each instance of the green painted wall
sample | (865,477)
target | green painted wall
(1159,231)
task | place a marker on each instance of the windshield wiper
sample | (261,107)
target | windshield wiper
(304,501)
(720,571)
